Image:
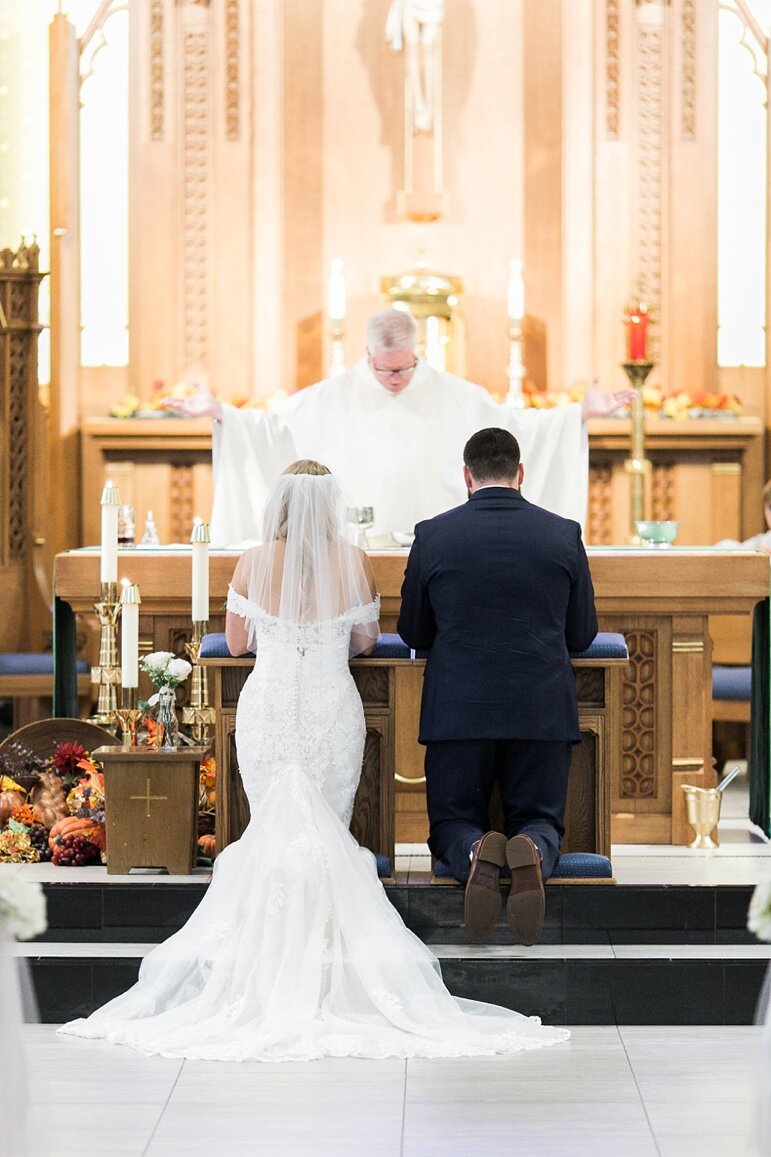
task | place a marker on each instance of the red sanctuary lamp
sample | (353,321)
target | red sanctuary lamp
(636,319)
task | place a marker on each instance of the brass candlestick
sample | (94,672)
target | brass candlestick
(337,362)
(199,715)
(107,673)
(515,371)
(637,465)
(128,716)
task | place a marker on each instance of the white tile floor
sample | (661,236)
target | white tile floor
(636,1092)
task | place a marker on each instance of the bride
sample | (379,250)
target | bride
(295,951)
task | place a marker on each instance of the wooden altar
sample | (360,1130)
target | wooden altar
(661,601)
(707,472)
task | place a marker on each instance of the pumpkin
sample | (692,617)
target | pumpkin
(74,825)
(208,846)
(48,802)
(9,801)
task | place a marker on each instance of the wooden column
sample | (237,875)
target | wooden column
(21,440)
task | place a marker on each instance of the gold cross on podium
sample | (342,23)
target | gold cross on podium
(147,797)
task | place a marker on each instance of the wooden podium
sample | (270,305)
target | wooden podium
(151,807)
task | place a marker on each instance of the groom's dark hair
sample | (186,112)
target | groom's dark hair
(492,455)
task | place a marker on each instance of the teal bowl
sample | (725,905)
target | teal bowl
(655,533)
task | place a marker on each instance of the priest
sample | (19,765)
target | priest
(393,430)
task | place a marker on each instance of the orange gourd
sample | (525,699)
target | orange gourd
(73,825)
(208,846)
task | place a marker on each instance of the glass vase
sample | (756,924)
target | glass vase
(168,724)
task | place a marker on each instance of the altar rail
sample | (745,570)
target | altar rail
(597,673)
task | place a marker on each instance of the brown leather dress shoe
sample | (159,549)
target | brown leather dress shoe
(526,903)
(482,905)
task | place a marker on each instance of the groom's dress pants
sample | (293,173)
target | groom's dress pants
(532,776)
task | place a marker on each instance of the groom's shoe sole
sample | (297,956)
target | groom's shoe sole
(526,903)
(482,905)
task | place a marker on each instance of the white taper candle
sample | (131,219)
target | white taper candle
(200,540)
(110,501)
(129,635)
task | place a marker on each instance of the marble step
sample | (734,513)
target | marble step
(610,983)
(148,909)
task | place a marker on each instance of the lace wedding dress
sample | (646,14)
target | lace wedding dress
(295,951)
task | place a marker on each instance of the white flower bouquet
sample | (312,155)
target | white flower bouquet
(165,670)
(22,906)
(759,914)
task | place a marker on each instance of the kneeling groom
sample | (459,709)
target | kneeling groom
(500,592)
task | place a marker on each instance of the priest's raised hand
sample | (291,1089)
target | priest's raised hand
(201,404)
(602,403)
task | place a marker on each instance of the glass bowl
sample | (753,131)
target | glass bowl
(654,533)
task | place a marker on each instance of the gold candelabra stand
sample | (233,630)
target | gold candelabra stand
(199,715)
(515,371)
(107,673)
(637,465)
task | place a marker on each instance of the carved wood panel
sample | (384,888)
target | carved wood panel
(590,686)
(638,776)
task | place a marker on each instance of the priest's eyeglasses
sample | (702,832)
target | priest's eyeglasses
(395,373)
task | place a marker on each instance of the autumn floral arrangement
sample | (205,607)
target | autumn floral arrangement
(156,405)
(656,402)
(52,810)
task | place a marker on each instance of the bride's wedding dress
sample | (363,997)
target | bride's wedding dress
(295,951)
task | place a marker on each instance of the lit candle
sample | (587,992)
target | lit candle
(336,291)
(200,540)
(637,332)
(516,292)
(110,501)
(129,634)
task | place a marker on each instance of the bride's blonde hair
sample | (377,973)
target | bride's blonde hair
(302,466)
(307,466)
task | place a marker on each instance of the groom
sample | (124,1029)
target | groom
(500,592)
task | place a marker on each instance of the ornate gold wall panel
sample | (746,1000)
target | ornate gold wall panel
(612,69)
(195,210)
(156,70)
(688,70)
(232,78)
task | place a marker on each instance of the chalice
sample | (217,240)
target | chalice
(362,518)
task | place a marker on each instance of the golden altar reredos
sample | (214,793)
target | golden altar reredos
(435,301)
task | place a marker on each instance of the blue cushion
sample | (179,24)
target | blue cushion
(383,865)
(582,865)
(606,645)
(213,646)
(731,682)
(390,647)
(29,663)
(573,865)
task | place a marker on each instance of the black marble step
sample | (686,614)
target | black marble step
(567,988)
(148,912)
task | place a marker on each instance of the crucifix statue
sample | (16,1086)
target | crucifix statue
(414,27)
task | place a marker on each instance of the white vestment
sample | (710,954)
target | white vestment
(401,454)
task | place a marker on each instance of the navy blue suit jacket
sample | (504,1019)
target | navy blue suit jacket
(500,591)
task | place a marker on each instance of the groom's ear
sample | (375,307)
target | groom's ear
(468,479)
(520,475)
